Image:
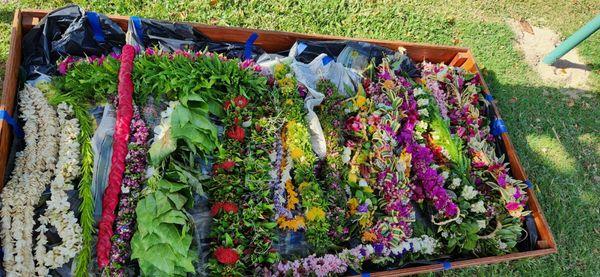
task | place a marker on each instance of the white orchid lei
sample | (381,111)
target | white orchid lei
(58,213)
(34,168)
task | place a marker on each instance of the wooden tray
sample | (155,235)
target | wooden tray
(272,41)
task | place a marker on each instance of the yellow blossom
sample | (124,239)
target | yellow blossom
(296,153)
(364,221)
(360,101)
(352,205)
(278,68)
(368,189)
(352,177)
(315,213)
(289,102)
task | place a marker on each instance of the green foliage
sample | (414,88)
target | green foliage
(162,243)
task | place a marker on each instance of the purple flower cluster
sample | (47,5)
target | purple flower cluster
(320,266)
(276,185)
(428,184)
(133,179)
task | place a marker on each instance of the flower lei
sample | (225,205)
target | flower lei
(354,258)
(331,170)
(117,168)
(457,92)
(391,181)
(300,157)
(58,214)
(244,165)
(135,167)
(34,168)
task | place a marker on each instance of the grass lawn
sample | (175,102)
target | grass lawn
(558,139)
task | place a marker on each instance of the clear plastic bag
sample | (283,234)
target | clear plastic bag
(102,142)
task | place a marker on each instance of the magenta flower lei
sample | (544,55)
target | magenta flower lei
(133,179)
(463,111)
(428,184)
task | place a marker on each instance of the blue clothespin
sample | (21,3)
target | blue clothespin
(94,21)
(248,48)
(529,184)
(498,127)
(489,97)
(13,123)
(327,60)
(137,25)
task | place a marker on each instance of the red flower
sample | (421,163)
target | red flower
(226,256)
(240,101)
(227,104)
(216,208)
(227,165)
(230,207)
(237,133)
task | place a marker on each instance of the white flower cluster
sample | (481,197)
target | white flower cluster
(34,168)
(424,244)
(58,213)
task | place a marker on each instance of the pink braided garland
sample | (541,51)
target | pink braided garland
(121,138)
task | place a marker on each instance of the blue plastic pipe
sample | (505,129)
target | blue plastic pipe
(572,41)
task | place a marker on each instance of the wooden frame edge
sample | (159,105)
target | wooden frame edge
(463,58)
(9,90)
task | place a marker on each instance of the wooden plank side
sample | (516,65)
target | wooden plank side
(272,41)
(9,91)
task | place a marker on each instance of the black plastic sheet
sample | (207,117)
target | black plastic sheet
(68,31)
(169,36)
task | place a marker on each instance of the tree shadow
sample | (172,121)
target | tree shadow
(557,139)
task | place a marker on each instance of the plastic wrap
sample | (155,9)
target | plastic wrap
(102,142)
(68,31)
(169,36)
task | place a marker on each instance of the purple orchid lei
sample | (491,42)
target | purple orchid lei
(464,111)
(133,179)
(427,183)
(391,183)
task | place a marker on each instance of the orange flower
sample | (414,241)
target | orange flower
(369,237)
(292,195)
(292,224)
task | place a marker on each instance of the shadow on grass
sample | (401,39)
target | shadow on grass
(557,139)
(6,16)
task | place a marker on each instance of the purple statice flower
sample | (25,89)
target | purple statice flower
(133,179)
(363,208)
(115,56)
(302,90)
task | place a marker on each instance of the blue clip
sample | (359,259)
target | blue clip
(96,27)
(13,123)
(489,97)
(327,60)
(300,48)
(447,265)
(137,25)
(498,127)
(248,48)
(529,184)
(365,274)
